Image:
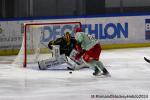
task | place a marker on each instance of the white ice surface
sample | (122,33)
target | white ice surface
(130,75)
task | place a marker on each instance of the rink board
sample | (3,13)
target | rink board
(112,31)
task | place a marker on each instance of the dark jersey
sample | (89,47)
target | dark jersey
(65,47)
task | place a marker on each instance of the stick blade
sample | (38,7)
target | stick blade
(147,60)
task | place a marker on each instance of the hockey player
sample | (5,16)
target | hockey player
(89,50)
(66,43)
(65,46)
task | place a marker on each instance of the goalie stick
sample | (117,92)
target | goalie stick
(147,60)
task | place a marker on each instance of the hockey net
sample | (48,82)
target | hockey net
(36,38)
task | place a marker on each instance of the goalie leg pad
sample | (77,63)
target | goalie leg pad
(48,63)
(73,55)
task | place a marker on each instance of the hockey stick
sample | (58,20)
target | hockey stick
(147,60)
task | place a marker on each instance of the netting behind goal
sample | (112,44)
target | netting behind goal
(36,38)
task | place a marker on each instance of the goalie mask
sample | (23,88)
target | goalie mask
(67,37)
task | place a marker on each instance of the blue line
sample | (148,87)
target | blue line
(72,17)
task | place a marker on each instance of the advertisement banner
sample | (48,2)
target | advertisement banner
(109,30)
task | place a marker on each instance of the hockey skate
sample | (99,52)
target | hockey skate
(105,72)
(96,72)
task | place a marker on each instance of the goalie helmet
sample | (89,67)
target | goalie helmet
(67,37)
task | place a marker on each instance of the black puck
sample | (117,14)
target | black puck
(70,72)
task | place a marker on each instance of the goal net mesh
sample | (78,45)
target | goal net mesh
(36,38)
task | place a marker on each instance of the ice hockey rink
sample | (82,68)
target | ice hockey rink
(130,76)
